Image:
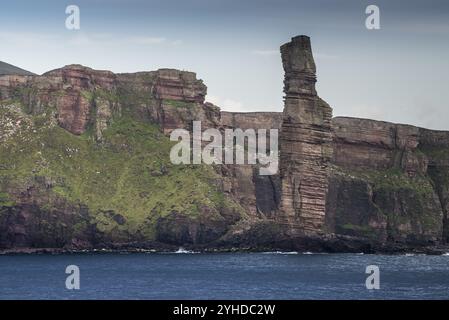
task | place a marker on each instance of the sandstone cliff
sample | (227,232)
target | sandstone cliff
(384,183)
(84,164)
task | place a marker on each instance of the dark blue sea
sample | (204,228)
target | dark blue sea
(224,276)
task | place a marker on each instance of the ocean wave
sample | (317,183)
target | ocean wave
(280,252)
(184,251)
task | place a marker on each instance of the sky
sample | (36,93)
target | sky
(399,73)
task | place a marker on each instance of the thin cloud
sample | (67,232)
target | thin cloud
(27,39)
(177,42)
(108,39)
(147,40)
(225,103)
(434,28)
(30,39)
(80,40)
(324,56)
(266,53)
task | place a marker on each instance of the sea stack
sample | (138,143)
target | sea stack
(305,142)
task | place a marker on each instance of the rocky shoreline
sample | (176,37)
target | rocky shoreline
(323,248)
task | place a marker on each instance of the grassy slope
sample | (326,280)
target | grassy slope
(129,173)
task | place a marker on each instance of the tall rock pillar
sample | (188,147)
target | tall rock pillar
(305,142)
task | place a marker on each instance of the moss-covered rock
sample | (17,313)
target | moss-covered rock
(384,206)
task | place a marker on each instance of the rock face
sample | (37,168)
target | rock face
(380,187)
(305,142)
(84,164)
(85,98)
(435,146)
(170,98)
(367,144)
(179,85)
(77,94)
(251,120)
(260,195)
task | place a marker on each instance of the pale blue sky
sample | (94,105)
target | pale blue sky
(399,73)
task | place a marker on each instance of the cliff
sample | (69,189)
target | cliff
(387,183)
(84,163)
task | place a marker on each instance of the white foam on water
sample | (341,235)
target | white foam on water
(280,252)
(184,251)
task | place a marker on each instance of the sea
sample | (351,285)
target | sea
(232,276)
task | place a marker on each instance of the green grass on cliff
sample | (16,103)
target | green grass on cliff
(129,173)
(5,200)
(392,179)
(438,170)
(402,199)
(439,173)
(435,152)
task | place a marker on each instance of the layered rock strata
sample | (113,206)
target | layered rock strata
(305,142)
(382,183)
